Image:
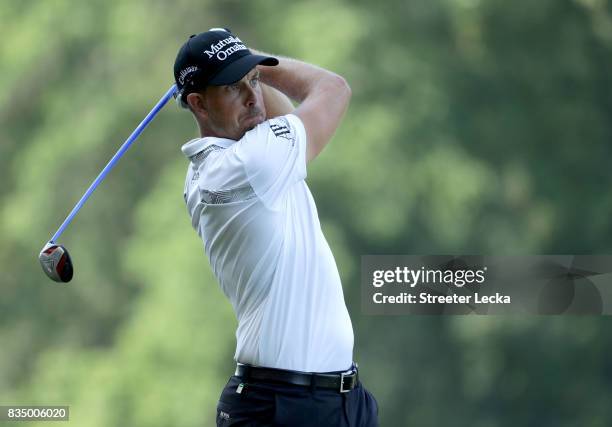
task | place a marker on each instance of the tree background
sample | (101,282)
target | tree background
(475,127)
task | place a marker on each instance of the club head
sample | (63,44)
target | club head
(56,262)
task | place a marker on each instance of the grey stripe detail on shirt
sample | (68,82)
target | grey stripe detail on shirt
(220,197)
(200,156)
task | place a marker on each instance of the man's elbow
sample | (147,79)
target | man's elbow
(342,88)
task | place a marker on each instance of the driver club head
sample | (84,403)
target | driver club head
(56,262)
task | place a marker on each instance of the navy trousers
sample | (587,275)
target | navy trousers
(273,404)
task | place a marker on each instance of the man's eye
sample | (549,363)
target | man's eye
(234,87)
(254,81)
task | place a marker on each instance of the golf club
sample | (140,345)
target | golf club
(54,258)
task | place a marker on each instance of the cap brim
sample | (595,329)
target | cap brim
(238,69)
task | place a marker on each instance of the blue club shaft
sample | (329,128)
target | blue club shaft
(112,162)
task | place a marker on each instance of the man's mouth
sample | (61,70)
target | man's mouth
(256,116)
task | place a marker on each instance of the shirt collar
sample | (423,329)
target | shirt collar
(196,145)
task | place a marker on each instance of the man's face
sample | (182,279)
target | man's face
(234,109)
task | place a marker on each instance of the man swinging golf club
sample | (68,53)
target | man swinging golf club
(246,193)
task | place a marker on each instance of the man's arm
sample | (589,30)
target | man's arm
(277,104)
(323,98)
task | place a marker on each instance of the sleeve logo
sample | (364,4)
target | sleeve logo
(282,129)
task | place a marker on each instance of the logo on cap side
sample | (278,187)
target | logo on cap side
(234,44)
(185,72)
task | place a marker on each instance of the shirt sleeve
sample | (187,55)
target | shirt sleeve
(273,155)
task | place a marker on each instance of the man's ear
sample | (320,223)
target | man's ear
(197,104)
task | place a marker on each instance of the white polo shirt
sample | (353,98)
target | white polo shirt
(252,208)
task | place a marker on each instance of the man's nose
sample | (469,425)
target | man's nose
(251,98)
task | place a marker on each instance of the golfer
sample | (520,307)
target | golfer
(248,200)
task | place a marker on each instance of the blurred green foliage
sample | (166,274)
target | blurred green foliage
(475,127)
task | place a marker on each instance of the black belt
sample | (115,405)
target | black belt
(342,381)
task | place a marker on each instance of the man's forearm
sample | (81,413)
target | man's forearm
(323,97)
(277,103)
(295,78)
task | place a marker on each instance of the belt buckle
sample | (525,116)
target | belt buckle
(342,390)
